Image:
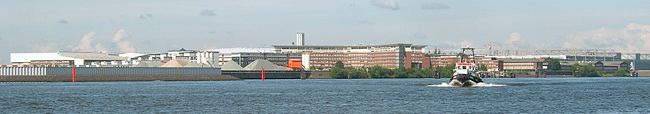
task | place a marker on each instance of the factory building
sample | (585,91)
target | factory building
(67,59)
(203,57)
(358,56)
(246,58)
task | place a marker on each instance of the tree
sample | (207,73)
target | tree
(481,67)
(446,71)
(585,70)
(620,72)
(339,64)
(554,65)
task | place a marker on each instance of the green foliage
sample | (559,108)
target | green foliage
(379,72)
(339,64)
(620,72)
(585,71)
(481,67)
(338,73)
(554,64)
(446,71)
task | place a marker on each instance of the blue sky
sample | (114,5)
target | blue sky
(157,25)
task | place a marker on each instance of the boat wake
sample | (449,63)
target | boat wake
(477,85)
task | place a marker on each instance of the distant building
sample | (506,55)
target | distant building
(206,57)
(66,59)
(245,58)
(527,65)
(358,56)
(492,63)
(300,39)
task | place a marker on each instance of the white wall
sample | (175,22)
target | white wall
(28,57)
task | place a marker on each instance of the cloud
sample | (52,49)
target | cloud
(122,45)
(632,38)
(85,44)
(62,21)
(386,4)
(45,47)
(146,16)
(514,41)
(207,12)
(457,44)
(434,6)
(100,48)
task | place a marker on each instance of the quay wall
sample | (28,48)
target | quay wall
(244,74)
(64,74)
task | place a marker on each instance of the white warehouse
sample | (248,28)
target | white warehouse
(66,58)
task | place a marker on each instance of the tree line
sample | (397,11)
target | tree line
(341,72)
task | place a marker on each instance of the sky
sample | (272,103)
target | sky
(143,26)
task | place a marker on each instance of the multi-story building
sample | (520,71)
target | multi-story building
(388,55)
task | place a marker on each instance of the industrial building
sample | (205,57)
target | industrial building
(67,59)
(203,57)
(358,56)
(246,58)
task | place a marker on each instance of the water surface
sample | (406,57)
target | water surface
(524,95)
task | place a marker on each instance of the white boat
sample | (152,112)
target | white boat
(465,72)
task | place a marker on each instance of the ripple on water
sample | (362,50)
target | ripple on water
(477,85)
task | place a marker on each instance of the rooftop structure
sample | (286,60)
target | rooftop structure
(205,57)
(66,58)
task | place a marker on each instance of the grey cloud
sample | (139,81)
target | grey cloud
(632,38)
(212,32)
(434,6)
(62,21)
(386,4)
(45,47)
(207,12)
(146,16)
(515,41)
(123,45)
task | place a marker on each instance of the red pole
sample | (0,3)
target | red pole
(74,74)
(263,74)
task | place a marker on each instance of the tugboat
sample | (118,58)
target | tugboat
(465,73)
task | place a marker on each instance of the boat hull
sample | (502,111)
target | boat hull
(466,83)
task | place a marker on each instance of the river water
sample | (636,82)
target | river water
(520,95)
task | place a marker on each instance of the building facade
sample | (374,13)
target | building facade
(245,58)
(358,56)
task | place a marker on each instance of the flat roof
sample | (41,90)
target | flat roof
(91,56)
(344,46)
